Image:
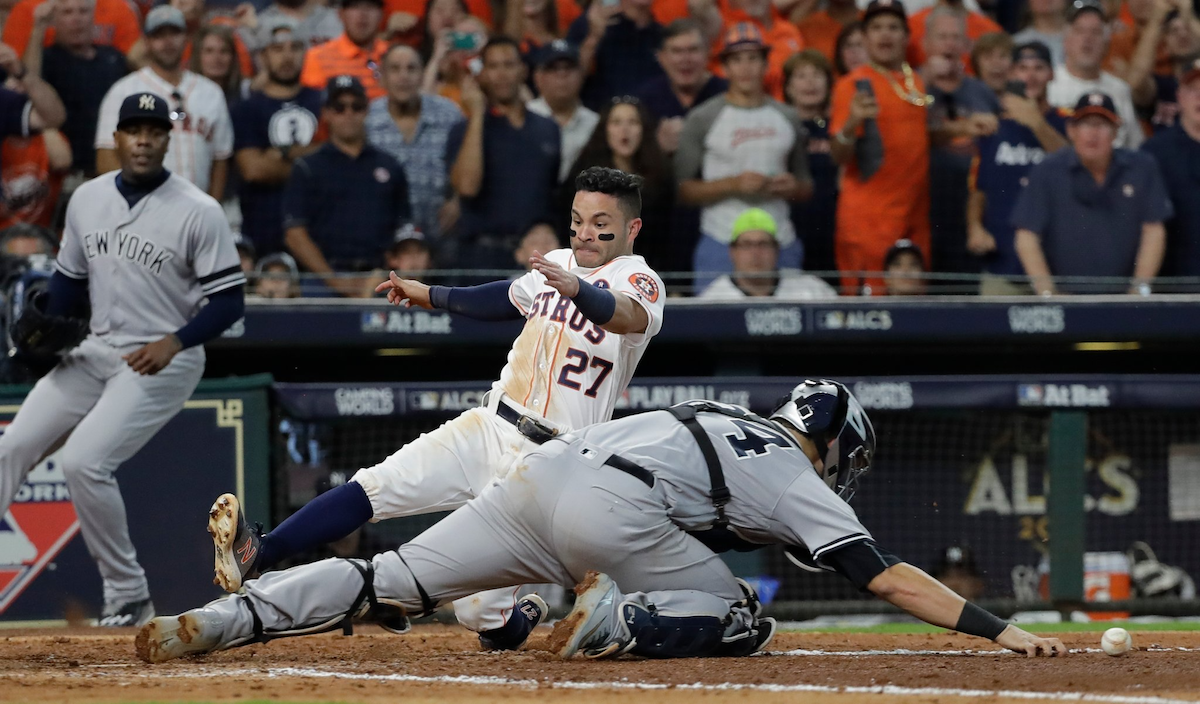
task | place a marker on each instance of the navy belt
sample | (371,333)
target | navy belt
(528,426)
(632,469)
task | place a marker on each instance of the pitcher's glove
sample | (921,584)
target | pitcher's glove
(39,338)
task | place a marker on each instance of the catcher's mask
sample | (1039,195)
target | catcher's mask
(828,414)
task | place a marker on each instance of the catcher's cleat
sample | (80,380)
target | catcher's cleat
(529,612)
(760,637)
(169,637)
(593,626)
(238,545)
(132,613)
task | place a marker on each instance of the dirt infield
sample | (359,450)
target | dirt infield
(442,663)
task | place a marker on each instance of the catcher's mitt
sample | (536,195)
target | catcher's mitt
(38,337)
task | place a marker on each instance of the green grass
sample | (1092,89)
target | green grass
(1097,627)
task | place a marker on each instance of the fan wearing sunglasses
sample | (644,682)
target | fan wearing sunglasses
(345,201)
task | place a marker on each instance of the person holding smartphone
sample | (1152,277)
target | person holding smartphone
(357,52)
(1030,128)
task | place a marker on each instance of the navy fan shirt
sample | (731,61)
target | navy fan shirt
(1005,159)
(351,206)
(263,122)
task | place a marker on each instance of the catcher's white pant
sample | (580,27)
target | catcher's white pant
(443,470)
(557,515)
(110,412)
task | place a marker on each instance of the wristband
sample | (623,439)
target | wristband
(975,621)
(597,305)
(843,139)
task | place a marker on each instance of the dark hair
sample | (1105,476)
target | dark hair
(499,40)
(648,160)
(399,45)
(808,57)
(843,37)
(678,28)
(230,83)
(626,188)
(992,41)
(427,39)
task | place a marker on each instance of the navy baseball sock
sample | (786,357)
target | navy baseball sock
(513,633)
(329,517)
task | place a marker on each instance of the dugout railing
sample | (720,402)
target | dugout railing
(1037,477)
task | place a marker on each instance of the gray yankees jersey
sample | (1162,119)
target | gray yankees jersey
(777,495)
(148,267)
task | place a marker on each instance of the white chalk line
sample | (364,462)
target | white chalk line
(527,683)
(803,652)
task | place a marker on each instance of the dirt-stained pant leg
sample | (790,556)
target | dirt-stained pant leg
(441,471)
(551,520)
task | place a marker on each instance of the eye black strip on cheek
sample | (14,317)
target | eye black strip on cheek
(606,237)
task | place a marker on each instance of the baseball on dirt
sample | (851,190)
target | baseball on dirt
(1116,641)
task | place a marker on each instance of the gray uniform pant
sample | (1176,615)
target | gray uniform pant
(558,514)
(114,412)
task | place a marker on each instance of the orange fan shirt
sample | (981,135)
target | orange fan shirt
(30,189)
(116,24)
(894,202)
(820,32)
(342,57)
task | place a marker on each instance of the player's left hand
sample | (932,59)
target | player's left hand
(557,277)
(153,357)
(1022,641)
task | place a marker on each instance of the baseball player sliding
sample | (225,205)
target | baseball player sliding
(642,499)
(146,248)
(590,311)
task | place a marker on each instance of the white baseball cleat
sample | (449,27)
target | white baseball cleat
(593,625)
(236,542)
(169,637)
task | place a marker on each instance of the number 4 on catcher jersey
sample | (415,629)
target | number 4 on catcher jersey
(566,367)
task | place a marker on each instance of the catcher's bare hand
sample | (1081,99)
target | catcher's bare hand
(153,357)
(1021,641)
(405,292)
(557,277)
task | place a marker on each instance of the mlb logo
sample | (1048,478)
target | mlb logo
(424,400)
(834,320)
(374,321)
(1031,395)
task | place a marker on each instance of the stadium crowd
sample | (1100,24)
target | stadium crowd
(1047,147)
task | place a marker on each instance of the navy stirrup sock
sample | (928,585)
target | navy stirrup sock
(329,517)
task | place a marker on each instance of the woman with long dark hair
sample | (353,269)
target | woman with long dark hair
(807,82)
(214,56)
(624,140)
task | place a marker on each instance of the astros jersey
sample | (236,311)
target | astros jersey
(202,133)
(148,267)
(777,496)
(562,365)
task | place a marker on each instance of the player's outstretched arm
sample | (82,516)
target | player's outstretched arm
(914,591)
(619,315)
(484,302)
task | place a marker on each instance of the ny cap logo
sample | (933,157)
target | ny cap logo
(146,102)
(1095,99)
(344,82)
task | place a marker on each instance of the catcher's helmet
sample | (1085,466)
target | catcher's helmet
(827,413)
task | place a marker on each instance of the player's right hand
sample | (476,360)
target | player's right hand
(405,292)
(1022,641)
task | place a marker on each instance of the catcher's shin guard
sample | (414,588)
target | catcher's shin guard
(388,613)
(658,636)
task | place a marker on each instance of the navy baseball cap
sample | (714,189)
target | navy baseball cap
(1081,6)
(1033,50)
(884,7)
(144,107)
(901,247)
(341,85)
(557,50)
(1096,104)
